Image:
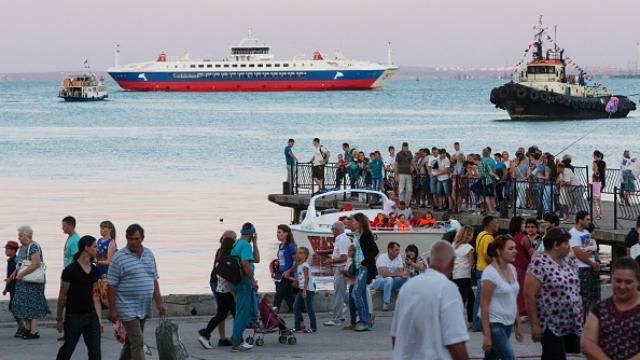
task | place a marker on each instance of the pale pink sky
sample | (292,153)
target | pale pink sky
(60,34)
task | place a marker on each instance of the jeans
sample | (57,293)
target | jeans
(360,296)
(468,298)
(297,309)
(387,285)
(500,348)
(444,188)
(133,348)
(284,291)
(521,195)
(538,189)
(290,176)
(226,307)
(477,325)
(86,325)
(426,188)
(405,188)
(377,184)
(352,306)
(245,310)
(340,293)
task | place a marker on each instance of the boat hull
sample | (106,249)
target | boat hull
(211,81)
(321,242)
(525,103)
(83,99)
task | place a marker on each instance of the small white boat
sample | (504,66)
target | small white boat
(315,233)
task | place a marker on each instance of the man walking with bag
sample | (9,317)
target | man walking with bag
(132,282)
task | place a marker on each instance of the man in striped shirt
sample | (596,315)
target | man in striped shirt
(132,282)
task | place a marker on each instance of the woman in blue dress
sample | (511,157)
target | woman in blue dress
(106,249)
(29,302)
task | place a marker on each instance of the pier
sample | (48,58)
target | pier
(610,230)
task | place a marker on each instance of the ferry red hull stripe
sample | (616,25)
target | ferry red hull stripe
(200,86)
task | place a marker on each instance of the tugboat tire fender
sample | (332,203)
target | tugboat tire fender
(534,96)
(544,97)
(521,93)
(504,92)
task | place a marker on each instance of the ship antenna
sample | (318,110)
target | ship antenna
(389,62)
(116,55)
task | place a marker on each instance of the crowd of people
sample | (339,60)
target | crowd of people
(487,181)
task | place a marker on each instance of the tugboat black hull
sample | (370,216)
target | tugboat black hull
(526,103)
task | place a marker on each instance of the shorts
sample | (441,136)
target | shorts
(628,180)
(589,286)
(444,188)
(489,189)
(318,172)
(433,184)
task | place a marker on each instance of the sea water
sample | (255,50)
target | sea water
(188,166)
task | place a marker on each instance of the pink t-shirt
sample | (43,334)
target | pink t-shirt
(597,187)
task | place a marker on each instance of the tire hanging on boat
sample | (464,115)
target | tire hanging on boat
(534,95)
(521,92)
(504,92)
(544,97)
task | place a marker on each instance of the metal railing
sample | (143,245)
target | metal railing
(626,206)
(334,177)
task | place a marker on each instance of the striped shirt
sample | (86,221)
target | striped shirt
(134,278)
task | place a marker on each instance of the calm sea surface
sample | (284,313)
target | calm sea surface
(180,163)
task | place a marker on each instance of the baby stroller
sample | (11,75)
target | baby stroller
(270,323)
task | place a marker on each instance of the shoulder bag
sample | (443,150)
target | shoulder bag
(37,275)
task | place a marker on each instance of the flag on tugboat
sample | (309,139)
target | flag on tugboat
(612,105)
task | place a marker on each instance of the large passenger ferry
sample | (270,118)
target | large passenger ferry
(250,66)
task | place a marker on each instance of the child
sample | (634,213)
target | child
(340,171)
(307,289)
(349,272)
(402,224)
(268,317)
(10,250)
(597,188)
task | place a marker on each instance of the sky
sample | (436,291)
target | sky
(40,36)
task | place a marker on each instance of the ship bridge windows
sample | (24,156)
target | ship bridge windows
(252,65)
(268,65)
(192,65)
(277,65)
(209,65)
(243,65)
(200,65)
(226,65)
(285,65)
(234,65)
(541,70)
(217,65)
(249,50)
(260,65)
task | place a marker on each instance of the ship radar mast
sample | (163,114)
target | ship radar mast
(539,29)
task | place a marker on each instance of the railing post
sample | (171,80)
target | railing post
(514,194)
(615,208)
(590,197)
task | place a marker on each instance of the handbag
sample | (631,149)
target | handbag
(37,275)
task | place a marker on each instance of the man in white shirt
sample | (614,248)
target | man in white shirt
(320,158)
(341,245)
(587,260)
(444,181)
(402,209)
(391,273)
(389,205)
(391,160)
(429,319)
(456,147)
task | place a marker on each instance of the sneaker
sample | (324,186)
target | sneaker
(205,342)
(242,347)
(29,335)
(224,342)
(331,323)
(361,327)
(20,333)
(386,307)
(310,331)
(147,350)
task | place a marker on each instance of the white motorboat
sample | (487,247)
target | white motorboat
(315,233)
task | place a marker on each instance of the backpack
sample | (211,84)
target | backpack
(228,268)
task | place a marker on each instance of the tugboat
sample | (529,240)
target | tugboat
(545,91)
(83,87)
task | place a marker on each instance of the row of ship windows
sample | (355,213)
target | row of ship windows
(238,65)
(270,74)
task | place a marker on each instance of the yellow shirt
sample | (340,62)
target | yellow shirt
(482,243)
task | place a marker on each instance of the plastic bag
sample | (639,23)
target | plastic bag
(168,342)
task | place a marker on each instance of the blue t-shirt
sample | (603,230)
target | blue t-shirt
(243,250)
(285,257)
(288,155)
(70,248)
